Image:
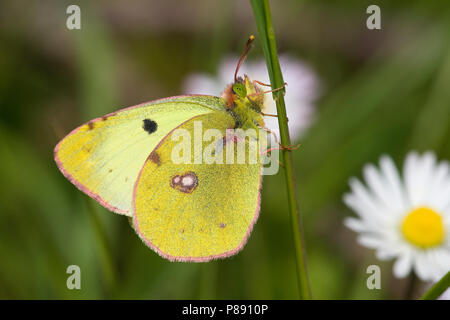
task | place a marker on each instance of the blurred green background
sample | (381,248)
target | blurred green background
(383,91)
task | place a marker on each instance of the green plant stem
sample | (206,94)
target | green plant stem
(411,286)
(438,288)
(109,271)
(265,29)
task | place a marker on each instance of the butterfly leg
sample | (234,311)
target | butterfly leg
(264,92)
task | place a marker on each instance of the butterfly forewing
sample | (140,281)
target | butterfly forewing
(103,158)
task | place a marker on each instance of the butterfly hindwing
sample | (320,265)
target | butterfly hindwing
(196,211)
(103,158)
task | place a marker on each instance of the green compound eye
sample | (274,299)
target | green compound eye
(240,90)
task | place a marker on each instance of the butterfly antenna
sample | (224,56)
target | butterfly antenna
(248,48)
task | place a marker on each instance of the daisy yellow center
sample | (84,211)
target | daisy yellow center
(423,227)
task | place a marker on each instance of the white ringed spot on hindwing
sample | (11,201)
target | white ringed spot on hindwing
(187,182)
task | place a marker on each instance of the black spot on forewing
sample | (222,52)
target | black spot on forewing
(150,126)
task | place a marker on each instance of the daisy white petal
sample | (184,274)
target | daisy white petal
(408,219)
(395,185)
(443,197)
(370,241)
(378,186)
(409,174)
(440,187)
(419,177)
(365,202)
(385,254)
(443,259)
(445,295)
(355,225)
(402,265)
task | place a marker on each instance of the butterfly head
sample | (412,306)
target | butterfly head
(243,91)
(245,100)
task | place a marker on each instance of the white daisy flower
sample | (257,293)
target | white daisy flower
(301,91)
(407,219)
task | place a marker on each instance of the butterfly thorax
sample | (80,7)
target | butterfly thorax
(244,100)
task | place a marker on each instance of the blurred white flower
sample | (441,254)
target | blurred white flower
(301,91)
(407,219)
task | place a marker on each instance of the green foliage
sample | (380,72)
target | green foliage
(438,288)
(382,91)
